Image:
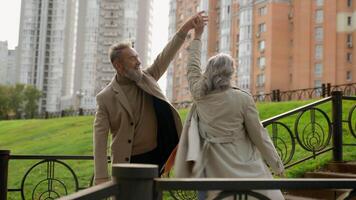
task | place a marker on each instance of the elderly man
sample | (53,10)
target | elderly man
(144,126)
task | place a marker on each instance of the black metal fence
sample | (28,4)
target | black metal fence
(50,177)
(67,113)
(313,129)
(139,181)
(48,115)
(306,93)
(294,95)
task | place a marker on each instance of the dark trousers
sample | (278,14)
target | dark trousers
(151,157)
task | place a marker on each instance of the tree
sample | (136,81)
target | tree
(16,96)
(4,102)
(18,100)
(31,97)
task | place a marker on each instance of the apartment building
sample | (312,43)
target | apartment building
(184,10)
(277,44)
(120,21)
(11,67)
(82,93)
(171,31)
(63,46)
(41,49)
(3,61)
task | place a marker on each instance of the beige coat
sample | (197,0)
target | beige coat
(226,128)
(114,113)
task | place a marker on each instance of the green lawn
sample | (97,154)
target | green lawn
(73,136)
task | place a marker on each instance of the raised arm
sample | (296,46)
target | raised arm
(196,80)
(163,59)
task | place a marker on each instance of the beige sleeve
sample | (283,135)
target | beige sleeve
(194,74)
(100,137)
(161,63)
(259,136)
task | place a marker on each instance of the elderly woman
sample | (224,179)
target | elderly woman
(223,136)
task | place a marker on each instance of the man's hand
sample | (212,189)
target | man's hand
(199,23)
(190,23)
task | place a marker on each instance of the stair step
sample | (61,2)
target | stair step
(328,175)
(349,167)
(327,194)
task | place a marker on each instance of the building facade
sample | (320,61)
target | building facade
(122,21)
(3,61)
(277,44)
(171,31)
(184,10)
(11,67)
(63,46)
(42,49)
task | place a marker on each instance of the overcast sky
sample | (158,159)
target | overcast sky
(10,22)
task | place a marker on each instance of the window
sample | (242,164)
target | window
(260,80)
(262,11)
(349,3)
(348,76)
(317,83)
(349,21)
(261,45)
(319,52)
(318,71)
(262,28)
(261,61)
(319,16)
(349,40)
(319,2)
(349,57)
(319,34)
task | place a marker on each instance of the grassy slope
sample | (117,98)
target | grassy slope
(73,136)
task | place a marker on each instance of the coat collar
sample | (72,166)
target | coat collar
(120,96)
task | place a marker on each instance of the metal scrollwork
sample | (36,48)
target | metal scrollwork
(312,136)
(182,194)
(352,124)
(48,179)
(241,195)
(284,142)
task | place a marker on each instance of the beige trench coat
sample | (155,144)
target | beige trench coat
(114,113)
(231,141)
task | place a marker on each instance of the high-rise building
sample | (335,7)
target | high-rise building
(184,10)
(277,44)
(171,31)
(11,67)
(81,59)
(42,50)
(120,21)
(3,61)
(63,46)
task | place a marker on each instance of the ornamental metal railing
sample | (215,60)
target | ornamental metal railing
(139,181)
(294,95)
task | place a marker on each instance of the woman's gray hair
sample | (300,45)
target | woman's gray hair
(218,72)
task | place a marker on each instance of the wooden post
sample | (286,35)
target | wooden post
(4,164)
(135,181)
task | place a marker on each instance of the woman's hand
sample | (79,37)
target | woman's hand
(199,23)
(190,23)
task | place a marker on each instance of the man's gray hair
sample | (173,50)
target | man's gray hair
(116,49)
(218,72)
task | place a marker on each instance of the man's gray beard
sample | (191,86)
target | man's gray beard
(133,74)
